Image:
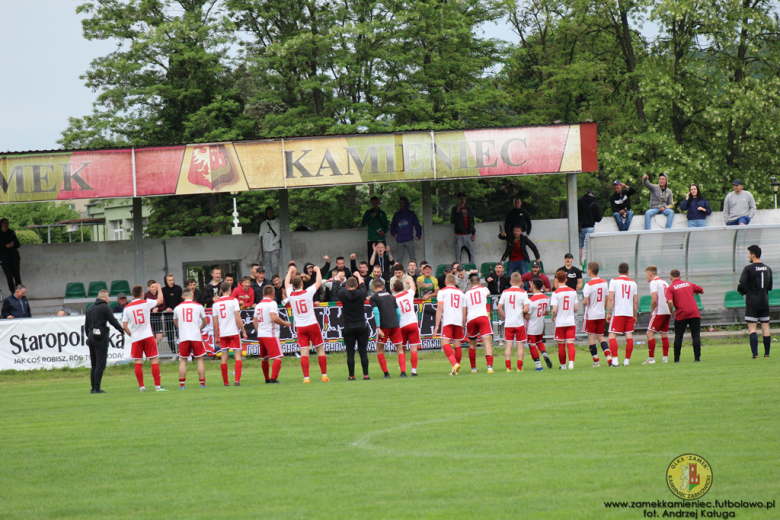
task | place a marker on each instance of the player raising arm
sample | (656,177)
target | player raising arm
(659,315)
(306,326)
(477,320)
(190,318)
(137,325)
(226,316)
(266,322)
(564,312)
(594,299)
(449,315)
(622,305)
(512,306)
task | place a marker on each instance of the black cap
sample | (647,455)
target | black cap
(536,263)
(121,295)
(461,268)
(737,182)
(591,193)
(260,269)
(568,255)
(447,268)
(616,183)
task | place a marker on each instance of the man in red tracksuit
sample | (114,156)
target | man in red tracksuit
(680,297)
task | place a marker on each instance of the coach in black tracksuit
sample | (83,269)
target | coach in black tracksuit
(99,315)
(353,299)
(755,284)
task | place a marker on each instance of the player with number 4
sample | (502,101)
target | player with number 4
(477,320)
(513,305)
(306,327)
(449,315)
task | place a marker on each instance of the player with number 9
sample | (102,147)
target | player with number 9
(594,299)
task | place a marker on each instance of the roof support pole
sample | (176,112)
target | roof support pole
(138,239)
(427,223)
(571,196)
(284,224)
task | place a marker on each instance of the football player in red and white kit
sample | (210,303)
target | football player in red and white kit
(659,315)
(410,327)
(594,300)
(266,321)
(538,306)
(478,324)
(513,305)
(226,317)
(622,306)
(137,325)
(306,326)
(449,315)
(190,318)
(564,312)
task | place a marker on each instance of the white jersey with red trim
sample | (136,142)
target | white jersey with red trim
(136,315)
(405,302)
(597,291)
(538,306)
(564,298)
(224,310)
(624,289)
(477,299)
(266,328)
(514,300)
(657,285)
(302,303)
(189,315)
(451,300)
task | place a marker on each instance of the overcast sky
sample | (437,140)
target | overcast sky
(42,54)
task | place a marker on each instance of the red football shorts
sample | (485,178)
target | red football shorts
(230,343)
(195,348)
(270,348)
(146,347)
(310,334)
(565,333)
(534,339)
(514,334)
(621,324)
(410,335)
(659,323)
(479,327)
(594,327)
(453,332)
(393,335)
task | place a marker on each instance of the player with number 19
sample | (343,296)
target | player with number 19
(410,328)
(477,320)
(190,318)
(449,316)
(564,311)
(512,306)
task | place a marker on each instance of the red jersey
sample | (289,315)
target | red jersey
(529,276)
(681,293)
(517,253)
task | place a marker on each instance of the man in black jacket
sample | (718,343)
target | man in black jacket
(517,253)
(621,205)
(589,212)
(16,305)
(353,298)
(98,317)
(462,217)
(755,284)
(516,216)
(497,280)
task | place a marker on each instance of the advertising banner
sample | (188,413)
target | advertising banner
(298,162)
(28,344)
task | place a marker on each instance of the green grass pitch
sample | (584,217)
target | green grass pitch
(553,444)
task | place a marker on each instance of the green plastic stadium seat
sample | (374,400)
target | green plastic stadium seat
(75,290)
(734,300)
(95,288)
(644,303)
(774,298)
(485,269)
(119,286)
(440,269)
(697,297)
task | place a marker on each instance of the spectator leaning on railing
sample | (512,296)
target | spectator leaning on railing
(517,252)
(739,208)
(660,201)
(697,207)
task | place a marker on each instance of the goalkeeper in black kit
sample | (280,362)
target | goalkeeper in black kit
(755,284)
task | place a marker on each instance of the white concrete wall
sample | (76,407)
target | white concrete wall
(47,268)
(608,224)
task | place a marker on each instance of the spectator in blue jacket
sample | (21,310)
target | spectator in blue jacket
(697,206)
(406,229)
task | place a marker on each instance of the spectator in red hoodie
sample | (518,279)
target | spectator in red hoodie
(244,294)
(682,304)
